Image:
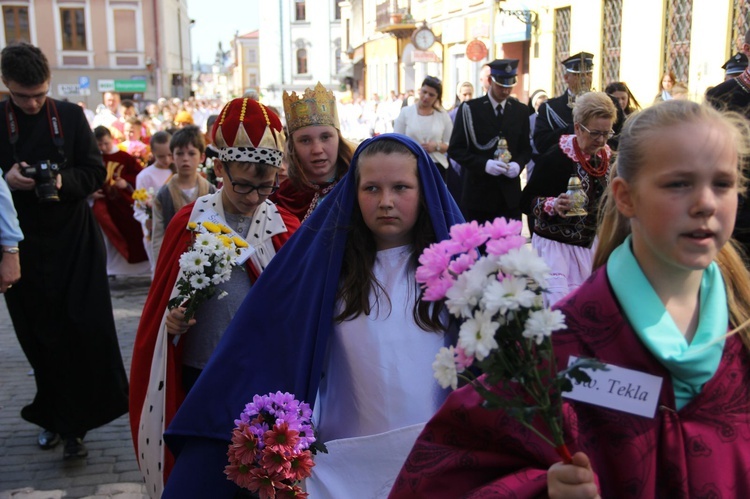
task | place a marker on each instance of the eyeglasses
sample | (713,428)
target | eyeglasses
(26,97)
(596,134)
(245,188)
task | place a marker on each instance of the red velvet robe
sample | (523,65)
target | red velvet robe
(702,450)
(297,200)
(176,240)
(114,212)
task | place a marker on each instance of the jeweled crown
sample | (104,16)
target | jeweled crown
(315,107)
(248,131)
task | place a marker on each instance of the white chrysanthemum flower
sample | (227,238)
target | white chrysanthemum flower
(199,281)
(193,261)
(486,265)
(511,293)
(464,295)
(444,368)
(477,335)
(220,277)
(541,323)
(222,295)
(525,261)
(206,242)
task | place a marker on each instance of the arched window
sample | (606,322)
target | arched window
(611,41)
(299,9)
(678,23)
(562,46)
(740,23)
(302,61)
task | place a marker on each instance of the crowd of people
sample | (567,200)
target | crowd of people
(636,210)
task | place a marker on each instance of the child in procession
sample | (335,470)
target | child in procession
(666,309)
(350,333)
(188,152)
(170,352)
(151,179)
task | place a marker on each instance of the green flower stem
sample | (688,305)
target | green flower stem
(538,433)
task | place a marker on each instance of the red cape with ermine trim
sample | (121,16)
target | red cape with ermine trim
(176,240)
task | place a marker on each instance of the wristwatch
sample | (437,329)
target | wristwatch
(11,249)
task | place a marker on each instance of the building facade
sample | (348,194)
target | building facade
(300,44)
(634,41)
(140,48)
(246,63)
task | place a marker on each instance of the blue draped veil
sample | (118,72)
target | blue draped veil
(278,338)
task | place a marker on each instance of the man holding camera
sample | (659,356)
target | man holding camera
(61,308)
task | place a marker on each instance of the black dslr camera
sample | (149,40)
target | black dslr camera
(45,174)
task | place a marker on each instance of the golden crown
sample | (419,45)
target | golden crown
(315,107)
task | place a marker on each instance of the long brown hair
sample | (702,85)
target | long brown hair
(357,280)
(639,130)
(297,173)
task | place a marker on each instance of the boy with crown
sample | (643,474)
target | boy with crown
(169,352)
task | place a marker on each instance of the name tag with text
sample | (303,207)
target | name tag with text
(618,388)
(210,215)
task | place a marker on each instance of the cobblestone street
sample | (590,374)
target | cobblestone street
(110,470)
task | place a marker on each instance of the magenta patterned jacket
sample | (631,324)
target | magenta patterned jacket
(702,450)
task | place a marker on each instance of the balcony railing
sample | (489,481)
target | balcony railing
(395,21)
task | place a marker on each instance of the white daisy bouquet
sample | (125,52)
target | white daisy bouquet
(493,283)
(207,263)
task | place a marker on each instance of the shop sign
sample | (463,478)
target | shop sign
(126,86)
(476,50)
(424,56)
(68,89)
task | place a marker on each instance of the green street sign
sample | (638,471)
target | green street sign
(130,86)
(127,86)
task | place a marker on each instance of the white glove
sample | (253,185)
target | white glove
(495,167)
(513,170)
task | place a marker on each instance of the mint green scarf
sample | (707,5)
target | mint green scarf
(691,365)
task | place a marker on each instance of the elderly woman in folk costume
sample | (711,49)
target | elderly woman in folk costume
(564,230)
(316,153)
(250,141)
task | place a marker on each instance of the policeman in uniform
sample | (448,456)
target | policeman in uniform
(556,115)
(734,66)
(734,94)
(491,141)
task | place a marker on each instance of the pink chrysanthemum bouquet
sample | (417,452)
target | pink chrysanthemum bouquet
(494,283)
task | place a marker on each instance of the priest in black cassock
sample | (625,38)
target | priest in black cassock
(555,117)
(60,308)
(734,95)
(484,127)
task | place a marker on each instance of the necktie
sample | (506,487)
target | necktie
(499,115)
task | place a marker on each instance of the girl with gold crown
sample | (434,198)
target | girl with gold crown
(316,152)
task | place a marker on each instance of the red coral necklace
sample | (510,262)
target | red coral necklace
(597,171)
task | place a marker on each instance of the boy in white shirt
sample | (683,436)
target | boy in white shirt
(152,178)
(188,152)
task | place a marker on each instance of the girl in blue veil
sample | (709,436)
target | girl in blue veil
(281,337)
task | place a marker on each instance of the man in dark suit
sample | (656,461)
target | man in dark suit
(491,141)
(556,115)
(734,95)
(735,66)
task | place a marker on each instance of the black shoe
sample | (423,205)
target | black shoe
(48,439)
(74,448)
